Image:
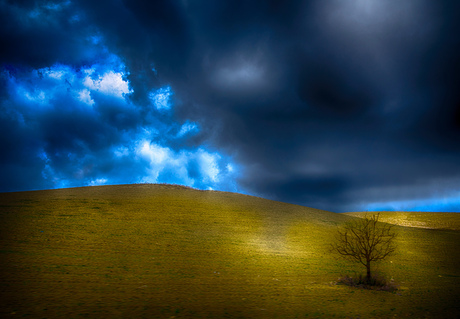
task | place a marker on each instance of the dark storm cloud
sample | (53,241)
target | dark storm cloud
(41,33)
(332,104)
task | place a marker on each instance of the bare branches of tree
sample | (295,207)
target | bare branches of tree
(365,240)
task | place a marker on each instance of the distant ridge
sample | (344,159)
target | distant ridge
(427,220)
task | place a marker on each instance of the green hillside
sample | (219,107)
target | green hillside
(162,251)
(418,219)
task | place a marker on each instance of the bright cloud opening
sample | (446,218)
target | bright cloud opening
(208,165)
(85,97)
(97,182)
(110,83)
(156,154)
(161,98)
(197,168)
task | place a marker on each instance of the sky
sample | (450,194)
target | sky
(338,105)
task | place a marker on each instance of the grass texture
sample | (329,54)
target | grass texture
(165,251)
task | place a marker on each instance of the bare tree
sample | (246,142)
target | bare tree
(365,240)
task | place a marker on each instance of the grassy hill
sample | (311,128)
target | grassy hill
(162,251)
(417,219)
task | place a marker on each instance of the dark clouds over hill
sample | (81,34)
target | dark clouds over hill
(339,105)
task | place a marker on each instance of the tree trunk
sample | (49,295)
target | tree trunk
(368,267)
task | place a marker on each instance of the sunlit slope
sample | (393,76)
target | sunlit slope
(417,219)
(157,251)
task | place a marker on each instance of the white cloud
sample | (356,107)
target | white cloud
(230,168)
(209,165)
(111,83)
(42,87)
(187,127)
(85,97)
(156,154)
(175,165)
(121,151)
(158,157)
(36,96)
(99,181)
(56,74)
(161,98)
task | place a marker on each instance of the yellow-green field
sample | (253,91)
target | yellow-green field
(161,251)
(417,219)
